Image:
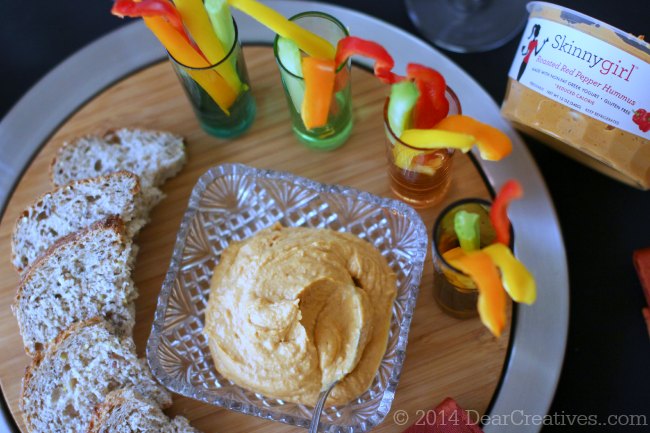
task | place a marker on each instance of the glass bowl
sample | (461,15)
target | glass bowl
(232,202)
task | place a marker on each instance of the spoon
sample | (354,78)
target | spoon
(318,410)
(355,300)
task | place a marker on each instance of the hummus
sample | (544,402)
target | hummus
(293,309)
(582,109)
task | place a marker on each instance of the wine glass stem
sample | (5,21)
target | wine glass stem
(469,5)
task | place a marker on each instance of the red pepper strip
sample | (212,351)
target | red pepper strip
(432,106)
(641,259)
(352,45)
(511,190)
(491,294)
(151,8)
(319,75)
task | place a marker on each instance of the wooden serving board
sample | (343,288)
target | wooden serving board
(445,356)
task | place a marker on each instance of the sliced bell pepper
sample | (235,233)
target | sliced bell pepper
(151,8)
(516,279)
(403,97)
(180,49)
(492,143)
(164,21)
(290,57)
(432,159)
(352,45)
(221,19)
(198,23)
(466,226)
(319,75)
(491,295)
(511,190)
(435,139)
(453,254)
(432,106)
(419,161)
(309,42)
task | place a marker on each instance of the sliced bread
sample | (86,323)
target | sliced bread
(83,275)
(154,156)
(86,362)
(126,411)
(72,207)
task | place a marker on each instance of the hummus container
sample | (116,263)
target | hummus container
(232,202)
(581,86)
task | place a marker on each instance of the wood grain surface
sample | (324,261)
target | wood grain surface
(445,356)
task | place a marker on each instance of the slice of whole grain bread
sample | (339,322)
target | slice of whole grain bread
(126,411)
(72,207)
(83,275)
(154,156)
(85,363)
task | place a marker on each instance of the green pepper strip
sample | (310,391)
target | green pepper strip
(466,226)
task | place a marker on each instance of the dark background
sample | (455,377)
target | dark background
(607,365)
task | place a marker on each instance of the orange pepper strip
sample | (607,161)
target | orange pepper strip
(453,254)
(491,295)
(492,143)
(182,51)
(319,75)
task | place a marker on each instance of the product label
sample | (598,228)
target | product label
(585,74)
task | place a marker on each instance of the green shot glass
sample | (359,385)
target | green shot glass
(339,123)
(210,115)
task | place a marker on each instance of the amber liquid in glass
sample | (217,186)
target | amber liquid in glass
(422,189)
(454,291)
(459,302)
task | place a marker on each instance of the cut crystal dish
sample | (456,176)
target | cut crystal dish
(232,202)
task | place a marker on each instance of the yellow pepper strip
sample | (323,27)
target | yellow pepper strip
(517,280)
(492,143)
(491,296)
(436,139)
(198,23)
(319,78)
(310,43)
(182,51)
(406,158)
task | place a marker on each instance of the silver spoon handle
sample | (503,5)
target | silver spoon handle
(315,418)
